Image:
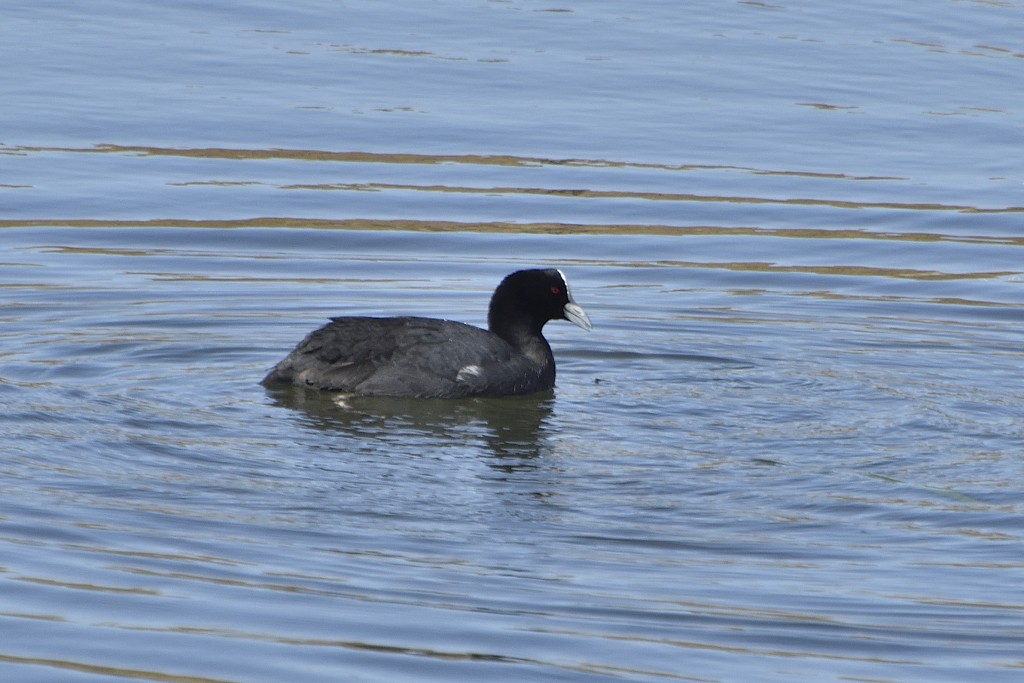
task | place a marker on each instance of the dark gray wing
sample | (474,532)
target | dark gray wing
(395,357)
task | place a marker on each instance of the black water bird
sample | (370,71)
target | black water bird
(431,358)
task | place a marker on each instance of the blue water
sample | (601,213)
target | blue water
(790,449)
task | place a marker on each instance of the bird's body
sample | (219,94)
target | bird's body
(430,358)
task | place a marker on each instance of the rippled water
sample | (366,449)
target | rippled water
(790,449)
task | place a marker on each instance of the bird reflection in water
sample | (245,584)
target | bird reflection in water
(513,430)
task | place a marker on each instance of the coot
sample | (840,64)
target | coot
(430,358)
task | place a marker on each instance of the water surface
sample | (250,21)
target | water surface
(789,450)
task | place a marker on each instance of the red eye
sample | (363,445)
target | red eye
(555,289)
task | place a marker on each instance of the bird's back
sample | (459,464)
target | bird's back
(407,356)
